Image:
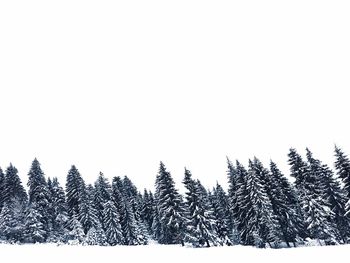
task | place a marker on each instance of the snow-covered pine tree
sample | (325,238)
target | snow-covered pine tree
(298,170)
(76,232)
(39,198)
(263,223)
(75,189)
(112,225)
(34,229)
(102,195)
(12,221)
(170,208)
(201,225)
(2,189)
(13,187)
(134,198)
(223,216)
(285,205)
(342,166)
(96,236)
(58,211)
(88,215)
(126,216)
(331,196)
(147,210)
(240,202)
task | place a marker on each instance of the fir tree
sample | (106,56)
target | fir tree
(39,196)
(262,225)
(285,206)
(171,212)
(14,189)
(223,217)
(76,232)
(102,194)
(112,226)
(331,195)
(201,223)
(34,228)
(342,165)
(75,190)
(58,211)
(88,215)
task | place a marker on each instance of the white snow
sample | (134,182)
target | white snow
(168,253)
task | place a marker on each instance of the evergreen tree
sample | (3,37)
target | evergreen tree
(332,196)
(102,195)
(285,206)
(298,170)
(88,215)
(39,196)
(96,237)
(263,224)
(75,191)
(112,226)
(14,189)
(58,211)
(34,231)
(342,165)
(147,210)
(76,232)
(223,216)
(12,221)
(201,223)
(170,207)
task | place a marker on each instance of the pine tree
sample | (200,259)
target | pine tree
(241,205)
(102,195)
(58,211)
(285,206)
(34,231)
(147,210)
(342,165)
(112,226)
(201,223)
(39,196)
(263,224)
(76,232)
(298,170)
(170,207)
(129,226)
(14,189)
(75,190)
(88,215)
(96,236)
(223,217)
(12,221)
(330,195)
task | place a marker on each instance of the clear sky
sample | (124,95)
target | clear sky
(117,86)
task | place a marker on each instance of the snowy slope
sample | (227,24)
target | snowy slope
(168,253)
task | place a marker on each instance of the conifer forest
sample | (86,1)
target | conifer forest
(262,207)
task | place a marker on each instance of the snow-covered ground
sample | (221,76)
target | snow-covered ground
(169,253)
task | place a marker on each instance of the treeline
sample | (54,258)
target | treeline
(261,207)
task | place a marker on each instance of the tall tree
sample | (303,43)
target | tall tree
(75,191)
(263,224)
(14,189)
(285,206)
(342,165)
(170,207)
(39,196)
(201,223)
(112,225)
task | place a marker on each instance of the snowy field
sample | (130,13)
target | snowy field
(169,253)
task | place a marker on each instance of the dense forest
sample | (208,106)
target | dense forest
(261,207)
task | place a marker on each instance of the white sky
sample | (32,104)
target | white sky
(118,86)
